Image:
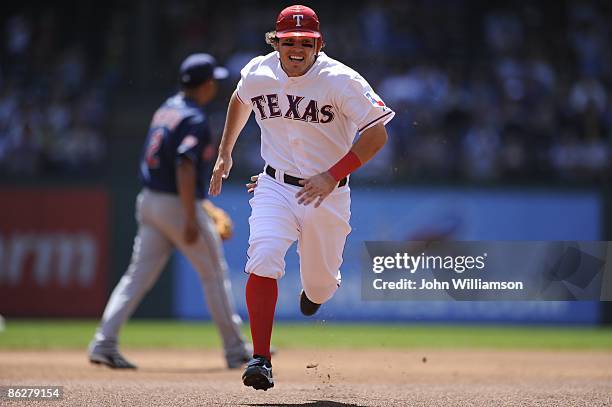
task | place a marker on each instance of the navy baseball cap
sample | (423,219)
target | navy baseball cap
(198,68)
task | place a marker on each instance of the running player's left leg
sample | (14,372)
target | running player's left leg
(320,246)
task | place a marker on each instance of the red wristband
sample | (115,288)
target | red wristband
(347,164)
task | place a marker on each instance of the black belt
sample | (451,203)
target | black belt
(291,180)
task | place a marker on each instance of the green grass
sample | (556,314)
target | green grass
(67,334)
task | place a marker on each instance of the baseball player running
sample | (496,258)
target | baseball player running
(309,108)
(170,215)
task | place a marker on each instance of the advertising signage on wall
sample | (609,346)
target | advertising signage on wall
(53,251)
(404,214)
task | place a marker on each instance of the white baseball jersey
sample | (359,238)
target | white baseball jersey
(308,122)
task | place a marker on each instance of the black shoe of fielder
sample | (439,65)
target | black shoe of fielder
(100,354)
(258,374)
(308,307)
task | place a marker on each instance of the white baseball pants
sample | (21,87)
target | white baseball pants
(277,221)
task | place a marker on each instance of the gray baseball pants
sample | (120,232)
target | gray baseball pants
(161,218)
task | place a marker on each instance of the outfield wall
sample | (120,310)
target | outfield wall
(44,271)
(405,213)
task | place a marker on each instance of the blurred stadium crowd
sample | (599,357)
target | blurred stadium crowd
(53,111)
(483,91)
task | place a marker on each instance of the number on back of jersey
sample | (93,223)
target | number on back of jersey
(152,153)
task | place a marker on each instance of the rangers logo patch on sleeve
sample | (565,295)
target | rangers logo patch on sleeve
(188,142)
(374,99)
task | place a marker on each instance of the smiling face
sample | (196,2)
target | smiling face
(297,54)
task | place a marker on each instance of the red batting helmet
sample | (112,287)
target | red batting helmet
(297,21)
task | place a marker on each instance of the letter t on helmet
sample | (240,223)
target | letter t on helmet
(298,21)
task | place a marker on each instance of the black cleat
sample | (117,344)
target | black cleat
(235,360)
(114,360)
(258,374)
(106,353)
(308,307)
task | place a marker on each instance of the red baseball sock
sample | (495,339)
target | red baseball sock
(261,295)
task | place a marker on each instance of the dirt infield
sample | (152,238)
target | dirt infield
(340,378)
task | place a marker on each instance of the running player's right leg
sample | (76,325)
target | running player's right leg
(150,253)
(273,228)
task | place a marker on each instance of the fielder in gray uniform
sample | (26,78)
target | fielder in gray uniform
(173,170)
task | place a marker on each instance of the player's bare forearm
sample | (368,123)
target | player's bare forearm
(186,185)
(370,142)
(237,115)
(185,182)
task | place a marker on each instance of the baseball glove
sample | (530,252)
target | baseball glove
(222,220)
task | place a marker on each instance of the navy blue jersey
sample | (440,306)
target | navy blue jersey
(179,129)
